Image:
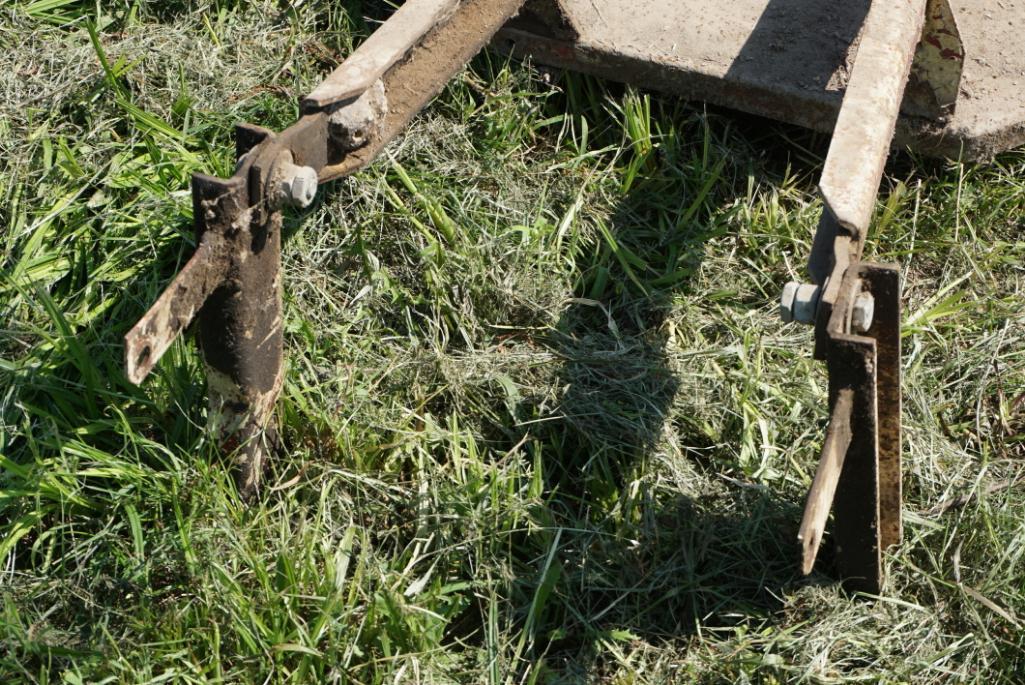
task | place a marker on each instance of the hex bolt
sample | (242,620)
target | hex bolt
(304,186)
(862,312)
(297,185)
(799,302)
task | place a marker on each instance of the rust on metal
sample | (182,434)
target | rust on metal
(232,284)
(884,284)
(935,80)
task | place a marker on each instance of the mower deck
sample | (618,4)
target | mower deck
(784,59)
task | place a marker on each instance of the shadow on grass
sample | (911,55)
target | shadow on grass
(644,537)
(638,557)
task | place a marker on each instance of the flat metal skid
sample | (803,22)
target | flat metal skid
(788,60)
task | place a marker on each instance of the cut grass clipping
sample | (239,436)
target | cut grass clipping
(543,424)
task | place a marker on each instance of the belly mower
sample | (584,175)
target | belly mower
(944,77)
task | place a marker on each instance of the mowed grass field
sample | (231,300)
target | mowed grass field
(541,421)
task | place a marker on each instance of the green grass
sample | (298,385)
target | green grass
(542,422)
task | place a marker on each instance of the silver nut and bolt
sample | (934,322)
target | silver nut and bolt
(862,312)
(297,185)
(800,303)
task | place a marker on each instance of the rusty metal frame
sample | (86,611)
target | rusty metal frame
(232,284)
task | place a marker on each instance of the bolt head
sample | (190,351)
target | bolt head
(786,301)
(862,312)
(799,302)
(303,187)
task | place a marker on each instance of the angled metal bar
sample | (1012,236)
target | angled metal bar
(864,128)
(176,307)
(378,53)
(827,476)
(859,475)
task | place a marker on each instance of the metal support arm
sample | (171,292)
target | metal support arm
(232,283)
(859,475)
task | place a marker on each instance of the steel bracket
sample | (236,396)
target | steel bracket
(859,473)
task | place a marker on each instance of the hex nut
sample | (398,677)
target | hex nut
(293,185)
(799,302)
(862,312)
(303,187)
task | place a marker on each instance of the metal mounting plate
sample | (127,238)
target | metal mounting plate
(784,59)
